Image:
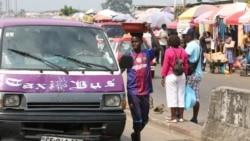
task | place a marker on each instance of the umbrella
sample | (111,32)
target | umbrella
(91,11)
(120,17)
(183,24)
(107,12)
(161,18)
(196,11)
(147,19)
(153,10)
(168,9)
(230,9)
(234,18)
(78,16)
(102,18)
(245,19)
(176,23)
(173,25)
(204,18)
(142,14)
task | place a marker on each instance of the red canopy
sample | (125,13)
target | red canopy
(234,18)
(173,25)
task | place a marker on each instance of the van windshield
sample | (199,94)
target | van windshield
(56,48)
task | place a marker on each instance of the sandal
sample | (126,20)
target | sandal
(172,121)
(181,120)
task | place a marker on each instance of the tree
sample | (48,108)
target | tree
(68,10)
(21,13)
(118,5)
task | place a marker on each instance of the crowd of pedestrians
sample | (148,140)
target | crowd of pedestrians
(169,46)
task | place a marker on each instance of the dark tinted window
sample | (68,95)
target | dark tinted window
(114,30)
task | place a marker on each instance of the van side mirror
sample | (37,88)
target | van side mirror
(126,61)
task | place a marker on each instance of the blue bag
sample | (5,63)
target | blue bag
(223,68)
(190,98)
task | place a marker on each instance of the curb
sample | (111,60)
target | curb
(186,128)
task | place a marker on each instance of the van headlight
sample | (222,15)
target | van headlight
(112,100)
(11,100)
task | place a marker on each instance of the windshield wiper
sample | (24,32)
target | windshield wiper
(85,63)
(74,60)
(39,59)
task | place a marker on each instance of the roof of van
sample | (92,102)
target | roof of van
(109,23)
(42,21)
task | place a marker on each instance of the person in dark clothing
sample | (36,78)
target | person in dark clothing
(203,45)
(139,81)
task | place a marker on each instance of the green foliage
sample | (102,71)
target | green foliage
(118,5)
(21,13)
(68,10)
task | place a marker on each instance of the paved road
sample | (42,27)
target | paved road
(210,81)
(153,132)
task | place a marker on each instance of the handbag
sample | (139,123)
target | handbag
(190,98)
(230,45)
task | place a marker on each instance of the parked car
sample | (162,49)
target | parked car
(59,81)
(113,29)
(123,45)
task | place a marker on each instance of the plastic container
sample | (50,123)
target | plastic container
(134,27)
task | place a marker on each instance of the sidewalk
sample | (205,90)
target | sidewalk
(186,128)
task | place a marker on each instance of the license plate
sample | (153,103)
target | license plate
(49,138)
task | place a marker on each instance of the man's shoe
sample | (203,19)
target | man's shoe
(194,121)
(181,120)
(133,136)
(172,121)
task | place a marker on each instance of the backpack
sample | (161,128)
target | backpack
(178,67)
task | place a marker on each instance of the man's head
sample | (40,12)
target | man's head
(174,41)
(156,27)
(136,41)
(204,34)
(164,26)
(189,34)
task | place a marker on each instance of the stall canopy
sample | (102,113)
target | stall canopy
(230,9)
(196,11)
(176,23)
(204,18)
(234,18)
(245,19)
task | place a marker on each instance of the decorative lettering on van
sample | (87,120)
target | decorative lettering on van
(79,85)
(60,83)
(110,83)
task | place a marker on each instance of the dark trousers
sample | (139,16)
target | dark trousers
(139,108)
(157,56)
(163,49)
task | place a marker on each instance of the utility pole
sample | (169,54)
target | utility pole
(184,4)
(15,7)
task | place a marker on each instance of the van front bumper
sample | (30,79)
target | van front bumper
(83,124)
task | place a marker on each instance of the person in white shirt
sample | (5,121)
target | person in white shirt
(163,37)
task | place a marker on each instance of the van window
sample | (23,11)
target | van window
(45,47)
(114,30)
